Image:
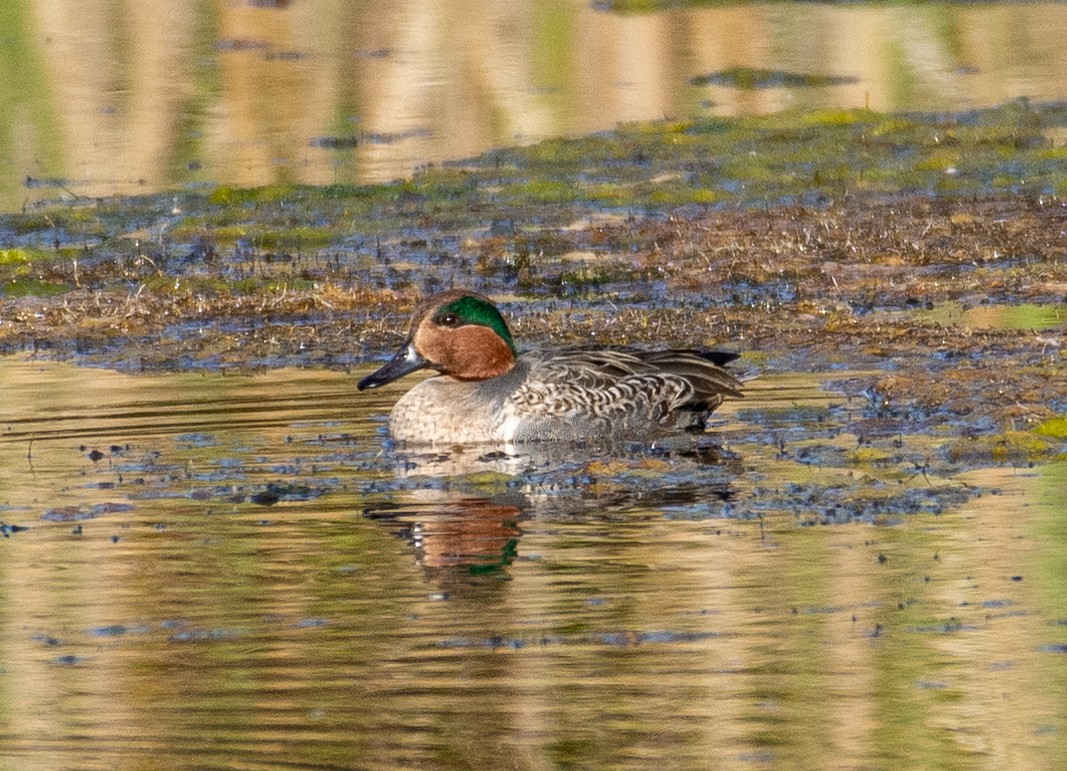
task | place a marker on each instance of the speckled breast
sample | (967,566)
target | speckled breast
(442,410)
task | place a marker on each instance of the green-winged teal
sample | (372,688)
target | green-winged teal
(486,392)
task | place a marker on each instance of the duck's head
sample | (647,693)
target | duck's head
(458,333)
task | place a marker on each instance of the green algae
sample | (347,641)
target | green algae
(540,191)
(750,78)
(1008,447)
(232,196)
(16,256)
(792,155)
(1055,428)
(295,239)
(872,456)
(31,287)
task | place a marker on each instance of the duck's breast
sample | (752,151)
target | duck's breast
(443,410)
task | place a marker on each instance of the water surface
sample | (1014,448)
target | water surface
(236,570)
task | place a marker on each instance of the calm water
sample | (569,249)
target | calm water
(233,571)
(102,98)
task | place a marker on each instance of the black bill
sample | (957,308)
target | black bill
(404,362)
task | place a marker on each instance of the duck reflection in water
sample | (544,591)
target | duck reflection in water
(468,532)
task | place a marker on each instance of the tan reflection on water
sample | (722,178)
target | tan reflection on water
(213,631)
(141,97)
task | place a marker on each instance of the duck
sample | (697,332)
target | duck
(486,392)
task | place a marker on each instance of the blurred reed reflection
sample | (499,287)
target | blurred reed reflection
(98,101)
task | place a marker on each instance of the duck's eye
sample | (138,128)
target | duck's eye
(449,320)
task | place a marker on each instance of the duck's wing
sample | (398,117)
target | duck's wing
(703,369)
(603,367)
(619,384)
(593,366)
